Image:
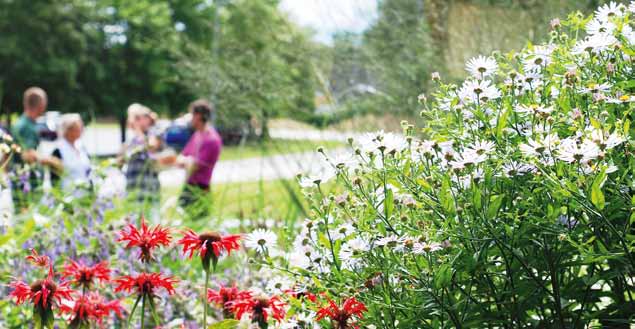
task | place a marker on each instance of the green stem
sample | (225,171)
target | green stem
(205,297)
(134,308)
(143,311)
(153,311)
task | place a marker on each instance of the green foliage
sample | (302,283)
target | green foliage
(260,67)
(478,223)
(400,55)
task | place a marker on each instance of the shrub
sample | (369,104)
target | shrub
(512,207)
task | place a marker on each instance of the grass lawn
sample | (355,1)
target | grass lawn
(278,199)
(275,147)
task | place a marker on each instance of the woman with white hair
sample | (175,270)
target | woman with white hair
(74,165)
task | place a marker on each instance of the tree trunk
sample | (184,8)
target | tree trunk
(436,13)
(4,108)
(264,126)
(122,127)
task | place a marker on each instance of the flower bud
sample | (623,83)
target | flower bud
(555,23)
(435,76)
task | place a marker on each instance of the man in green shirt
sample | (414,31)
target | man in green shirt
(25,130)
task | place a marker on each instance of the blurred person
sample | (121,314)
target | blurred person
(140,168)
(27,136)
(6,200)
(199,158)
(74,167)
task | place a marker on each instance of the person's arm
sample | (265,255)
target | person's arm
(53,161)
(28,156)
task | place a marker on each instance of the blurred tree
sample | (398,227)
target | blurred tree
(400,53)
(260,68)
(97,57)
(44,43)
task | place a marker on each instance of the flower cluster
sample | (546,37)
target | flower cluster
(517,190)
(82,307)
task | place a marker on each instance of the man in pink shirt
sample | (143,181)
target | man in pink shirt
(199,158)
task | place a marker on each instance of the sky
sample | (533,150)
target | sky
(326,17)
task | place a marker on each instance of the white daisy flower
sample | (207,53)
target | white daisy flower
(483,147)
(538,58)
(595,88)
(358,244)
(473,91)
(604,140)
(471,157)
(279,285)
(388,142)
(300,259)
(344,160)
(515,168)
(324,175)
(631,7)
(532,148)
(261,240)
(602,42)
(570,151)
(609,11)
(391,241)
(620,100)
(628,34)
(530,81)
(420,248)
(597,26)
(481,66)
(342,231)
(445,104)
(534,109)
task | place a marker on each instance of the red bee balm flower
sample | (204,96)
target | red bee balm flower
(224,296)
(36,259)
(85,275)
(341,317)
(145,238)
(42,293)
(206,242)
(91,307)
(259,307)
(41,261)
(145,283)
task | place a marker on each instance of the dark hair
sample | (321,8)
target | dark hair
(202,107)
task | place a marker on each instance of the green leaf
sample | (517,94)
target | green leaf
(597,197)
(476,197)
(443,276)
(389,203)
(502,122)
(495,202)
(445,197)
(225,324)
(29,227)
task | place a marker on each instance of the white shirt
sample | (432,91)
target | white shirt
(76,163)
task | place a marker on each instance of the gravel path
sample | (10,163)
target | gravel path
(255,169)
(106,141)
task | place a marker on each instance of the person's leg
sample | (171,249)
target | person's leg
(195,201)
